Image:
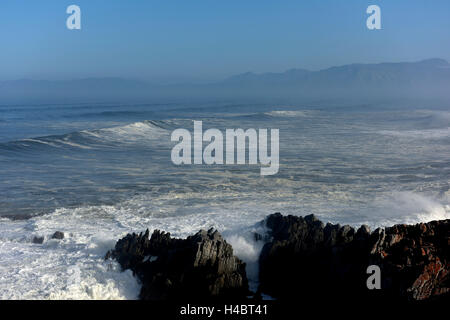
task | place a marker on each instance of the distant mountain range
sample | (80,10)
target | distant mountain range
(426,73)
(427,78)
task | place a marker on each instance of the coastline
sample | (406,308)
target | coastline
(301,258)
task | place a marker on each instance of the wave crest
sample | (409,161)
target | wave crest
(144,131)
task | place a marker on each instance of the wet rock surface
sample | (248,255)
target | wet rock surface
(38,240)
(201,267)
(302,259)
(58,235)
(306,258)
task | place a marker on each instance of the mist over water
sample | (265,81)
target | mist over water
(97,172)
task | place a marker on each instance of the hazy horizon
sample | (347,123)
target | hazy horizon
(425,80)
(192,80)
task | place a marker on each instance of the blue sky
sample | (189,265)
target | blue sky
(178,40)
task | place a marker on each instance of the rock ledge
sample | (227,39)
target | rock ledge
(201,267)
(309,259)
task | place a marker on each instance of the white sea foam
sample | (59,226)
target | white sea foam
(403,207)
(74,268)
(288,113)
(71,143)
(419,134)
(138,132)
(131,133)
(410,208)
(331,167)
(40,141)
(248,249)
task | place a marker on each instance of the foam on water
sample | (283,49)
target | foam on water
(408,208)
(138,132)
(74,268)
(419,134)
(378,168)
(288,113)
(147,130)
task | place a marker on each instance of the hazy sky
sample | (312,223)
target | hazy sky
(175,40)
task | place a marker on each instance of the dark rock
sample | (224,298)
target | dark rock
(415,259)
(307,259)
(363,233)
(38,240)
(197,268)
(58,235)
(257,236)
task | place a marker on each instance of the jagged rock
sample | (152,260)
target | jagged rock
(200,267)
(307,259)
(58,235)
(415,259)
(38,240)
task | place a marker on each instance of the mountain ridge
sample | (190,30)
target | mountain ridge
(426,79)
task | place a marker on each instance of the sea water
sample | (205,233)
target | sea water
(98,172)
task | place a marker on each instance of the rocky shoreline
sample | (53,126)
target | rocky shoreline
(302,258)
(201,267)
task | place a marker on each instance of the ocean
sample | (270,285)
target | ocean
(99,171)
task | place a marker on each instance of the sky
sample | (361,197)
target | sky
(204,40)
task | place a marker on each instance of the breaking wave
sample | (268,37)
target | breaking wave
(144,131)
(74,268)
